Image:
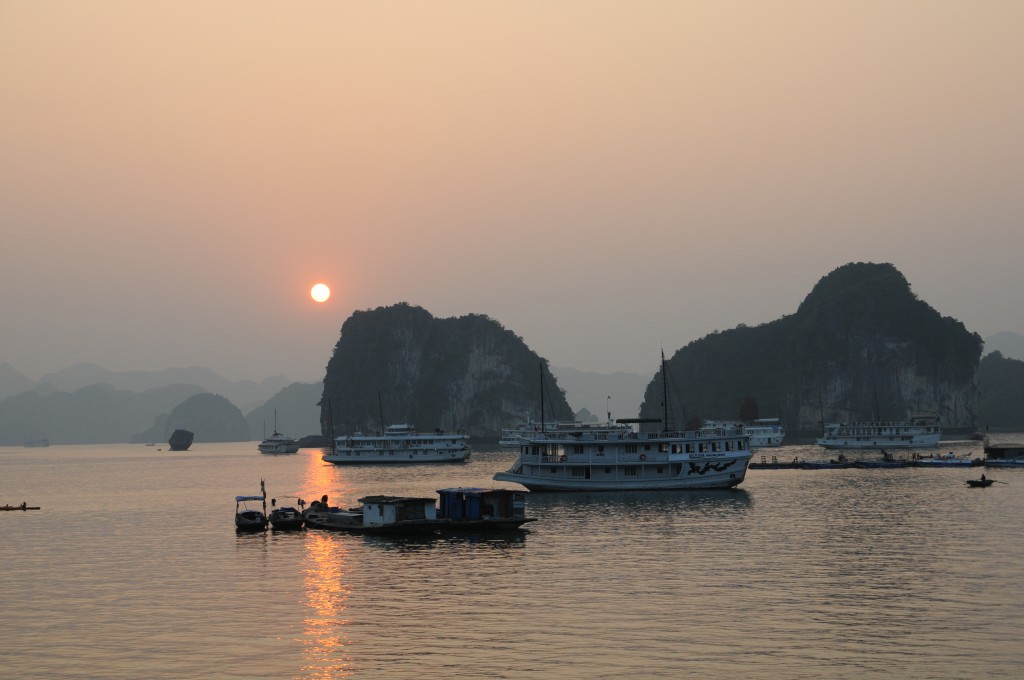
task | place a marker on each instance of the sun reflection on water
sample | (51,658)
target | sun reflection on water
(325,645)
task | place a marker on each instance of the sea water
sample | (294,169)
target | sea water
(133,569)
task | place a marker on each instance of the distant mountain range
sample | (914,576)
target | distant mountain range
(1007,343)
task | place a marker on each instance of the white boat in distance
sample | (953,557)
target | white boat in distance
(400,444)
(763,432)
(277,442)
(630,460)
(920,432)
(512,436)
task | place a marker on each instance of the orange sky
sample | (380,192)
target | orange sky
(603,178)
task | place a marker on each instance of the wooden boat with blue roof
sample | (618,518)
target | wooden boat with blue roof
(476,509)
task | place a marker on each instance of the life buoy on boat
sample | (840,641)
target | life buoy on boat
(643,456)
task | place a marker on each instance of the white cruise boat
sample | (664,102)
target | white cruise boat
(628,460)
(400,444)
(511,437)
(920,432)
(277,442)
(763,432)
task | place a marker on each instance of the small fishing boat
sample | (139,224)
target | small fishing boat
(980,483)
(248,518)
(384,515)
(23,506)
(285,517)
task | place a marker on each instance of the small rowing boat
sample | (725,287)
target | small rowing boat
(978,483)
(23,506)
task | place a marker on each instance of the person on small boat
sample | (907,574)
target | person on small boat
(983,477)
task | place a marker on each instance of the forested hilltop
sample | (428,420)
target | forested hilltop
(861,346)
(466,373)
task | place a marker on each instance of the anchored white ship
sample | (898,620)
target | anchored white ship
(400,444)
(763,432)
(919,432)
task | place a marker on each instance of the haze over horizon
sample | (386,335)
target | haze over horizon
(604,179)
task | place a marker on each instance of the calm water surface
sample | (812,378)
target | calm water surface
(132,569)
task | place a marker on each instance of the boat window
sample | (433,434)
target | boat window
(702,447)
(689,448)
(728,446)
(631,448)
(663,448)
(629,471)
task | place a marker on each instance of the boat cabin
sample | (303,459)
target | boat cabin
(382,511)
(468,503)
(1004,452)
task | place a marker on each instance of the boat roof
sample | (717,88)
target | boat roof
(475,490)
(394,499)
(248,498)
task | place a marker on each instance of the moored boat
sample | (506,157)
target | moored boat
(631,460)
(249,518)
(775,464)
(944,460)
(980,483)
(475,509)
(918,433)
(1004,455)
(384,515)
(763,432)
(400,443)
(284,517)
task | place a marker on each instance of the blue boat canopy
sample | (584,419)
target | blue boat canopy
(248,498)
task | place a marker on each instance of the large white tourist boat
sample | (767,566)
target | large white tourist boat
(400,444)
(919,432)
(630,460)
(763,432)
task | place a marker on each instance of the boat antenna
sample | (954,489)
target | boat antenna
(608,408)
(380,408)
(330,419)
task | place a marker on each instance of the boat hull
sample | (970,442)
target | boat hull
(731,473)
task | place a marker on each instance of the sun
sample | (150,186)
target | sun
(320,292)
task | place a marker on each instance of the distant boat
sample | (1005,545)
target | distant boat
(763,432)
(400,444)
(277,443)
(37,443)
(180,440)
(511,436)
(980,482)
(919,432)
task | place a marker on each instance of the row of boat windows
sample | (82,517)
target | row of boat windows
(383,451)
(664,447)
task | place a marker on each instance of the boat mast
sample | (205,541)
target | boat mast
(541,367)
(380,408)
(664,392)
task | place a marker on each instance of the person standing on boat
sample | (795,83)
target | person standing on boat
(983,476)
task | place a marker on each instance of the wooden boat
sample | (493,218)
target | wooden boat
(23,506)
(284,518)
(475,509)
(384,515)
(248,518)
(980,483)
(775,464)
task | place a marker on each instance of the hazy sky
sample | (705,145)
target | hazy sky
(603,178)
